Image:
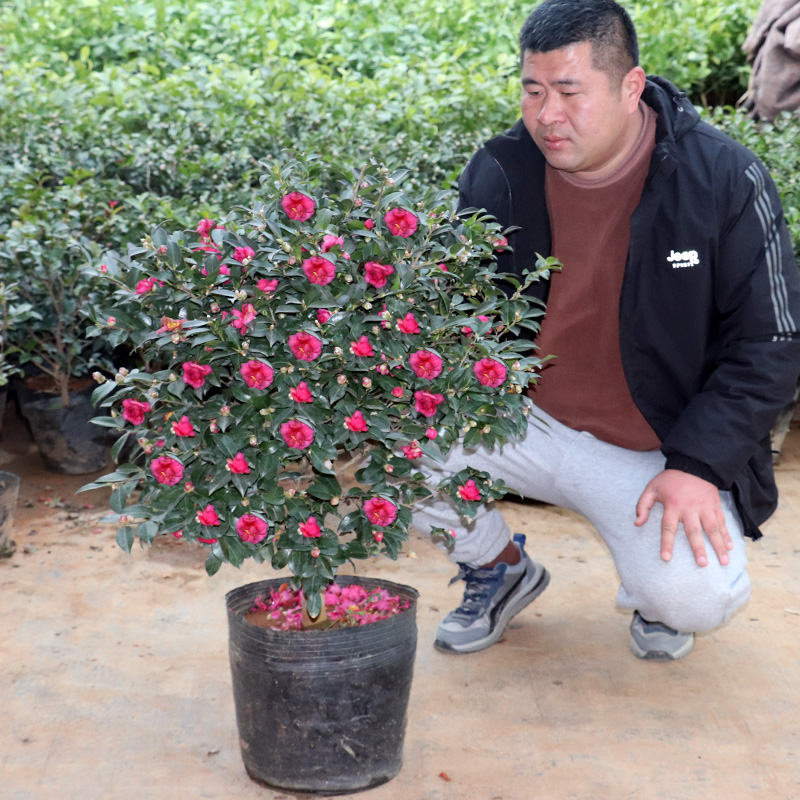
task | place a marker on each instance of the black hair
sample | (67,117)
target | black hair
(556,24)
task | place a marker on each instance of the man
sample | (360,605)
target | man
(674,324)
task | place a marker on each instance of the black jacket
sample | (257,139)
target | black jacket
(710,302)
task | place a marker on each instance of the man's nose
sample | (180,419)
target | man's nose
(551,111)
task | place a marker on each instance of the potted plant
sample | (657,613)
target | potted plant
(280,341)
(47,252)
(12,314)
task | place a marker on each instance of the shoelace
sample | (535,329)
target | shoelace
(479,582)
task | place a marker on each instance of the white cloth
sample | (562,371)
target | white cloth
(573,469)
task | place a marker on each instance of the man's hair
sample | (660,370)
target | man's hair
(556,24)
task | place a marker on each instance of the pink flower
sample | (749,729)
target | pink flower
(426,364)
(208,516)
(145,286)
(242,254)
(469,491)
(377,274)
(468,331)
(319,270)
(377,536)
(301,393)
(401,222)
(500,243)
(243,317)
(257,374)
(251,528)
(412,451)
(427,403)
(207,541)
(369,224)
(329,242)
(398,391)
(210,248)
(169,325)
(431,433)
(298,206)
(195,374)
(323,315)
(297,434)
(443,267)
(238,465)
(380,511)
(310,528)
(204,227)
(305,346)
(133,411)
(356,423)
(490,372)
(362,347)
(408,324)
(166,470)
(268,287)
(183,427)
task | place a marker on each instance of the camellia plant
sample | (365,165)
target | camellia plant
(300,357)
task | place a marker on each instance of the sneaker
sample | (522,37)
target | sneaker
(491,598)
(655,641)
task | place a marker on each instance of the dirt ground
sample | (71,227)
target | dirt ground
(115,682)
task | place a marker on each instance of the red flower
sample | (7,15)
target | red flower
(377,274)
(401,222)
(237,465)
(369,224)
(298,206)
(210,248)
(243,317)
(310,528)
(469,491)
(319,270)
(356,423)
(500,243)
(426,364)
(301,393)
(208,516)
(204,227)
(408,324)
(207,541)
(323,315)
(166,470)
(490,372)
(268,287)
(169,325)
(412,450)
(146,285)
(427,403)
(362,347)
(398,391)
(329,242)
(305,346)
(195,374)
(242,254)
(183,427)
(380,511)
(257,374)
(297,434)
(133,411)
(113,203)
(251,528)
(431,433)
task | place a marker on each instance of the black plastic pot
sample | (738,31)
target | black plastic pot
(66,439)
(322,711)
(9,490)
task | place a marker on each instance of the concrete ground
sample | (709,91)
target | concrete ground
(114,679)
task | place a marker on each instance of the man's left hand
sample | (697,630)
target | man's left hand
(692,501)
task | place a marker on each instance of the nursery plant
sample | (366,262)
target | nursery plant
(300,357)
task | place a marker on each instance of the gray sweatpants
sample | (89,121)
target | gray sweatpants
(603,483)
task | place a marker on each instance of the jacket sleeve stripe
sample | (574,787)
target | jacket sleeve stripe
(777,282)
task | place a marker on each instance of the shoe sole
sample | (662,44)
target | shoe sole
(508,613)
(661,655)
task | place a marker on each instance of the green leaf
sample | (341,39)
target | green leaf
(325,487)
(213,563)
(125,537)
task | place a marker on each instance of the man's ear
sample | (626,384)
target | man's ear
(632,88)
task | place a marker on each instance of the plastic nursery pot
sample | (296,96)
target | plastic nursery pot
(3,401)
(9,489)
(66,439)
(322,711)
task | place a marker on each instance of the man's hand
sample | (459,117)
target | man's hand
(692,501)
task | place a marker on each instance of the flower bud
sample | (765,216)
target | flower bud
(215,308)
(388,468)
(335,501)
(367,306)
(366,383)
(162,250)
(289,493)
(341,380)
(188,487)
(104,268)
(225,411)
(377,536)
(173,377)
(253,441)
(175,338)
(245,501)
(111,322)
(315,552)
(328,464)
(99,377)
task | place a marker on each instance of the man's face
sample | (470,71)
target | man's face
(579,122)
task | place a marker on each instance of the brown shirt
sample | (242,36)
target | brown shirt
(584,386)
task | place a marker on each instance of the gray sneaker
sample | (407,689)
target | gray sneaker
(491,598)
(655,641)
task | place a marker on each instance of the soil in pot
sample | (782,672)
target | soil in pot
(322,711)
